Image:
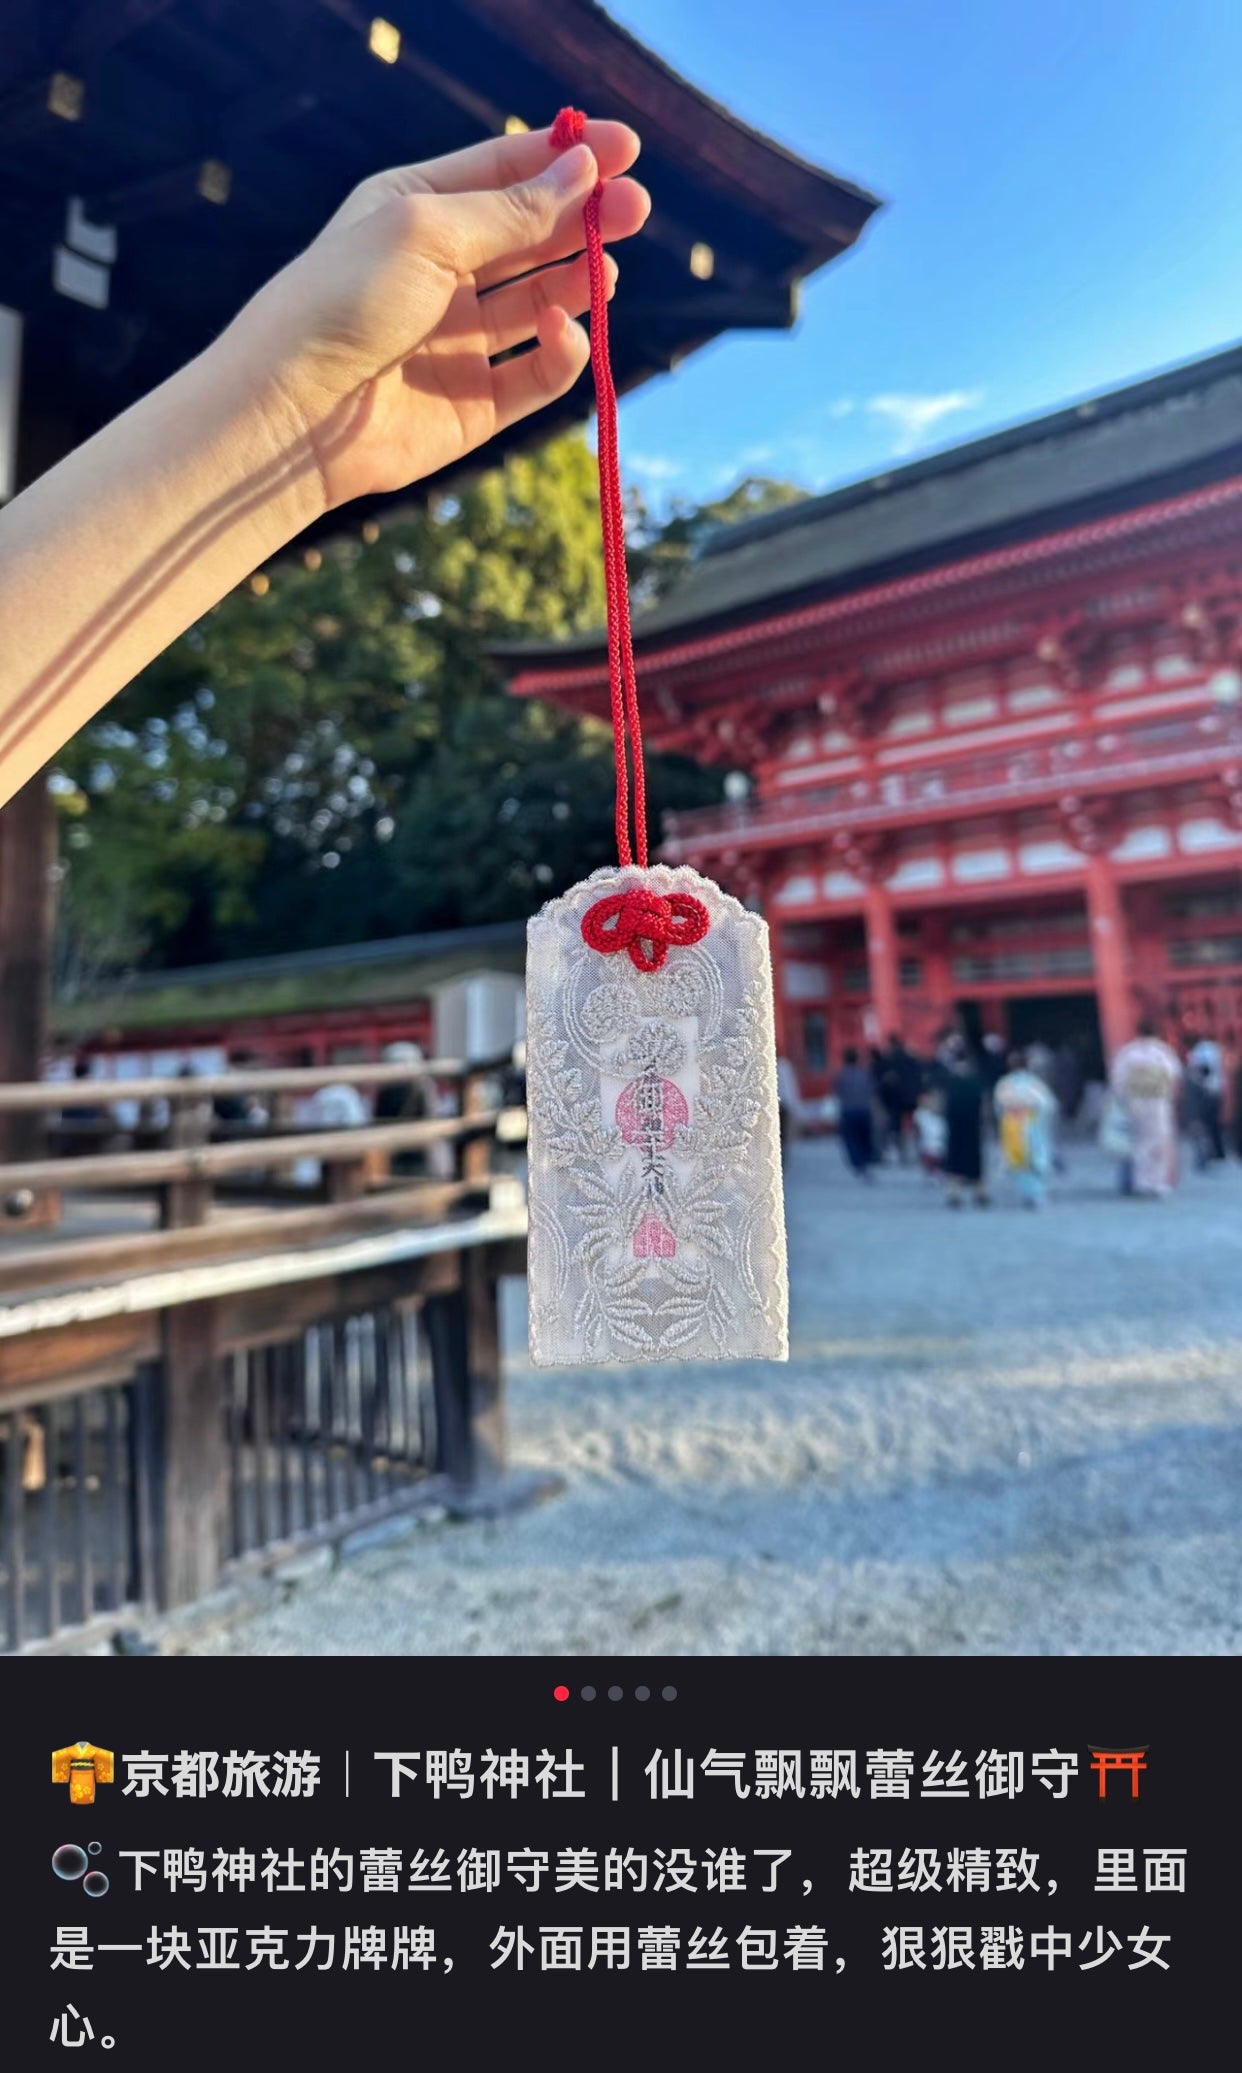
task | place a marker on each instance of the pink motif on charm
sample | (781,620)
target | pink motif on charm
(653,1240)
(651,1111)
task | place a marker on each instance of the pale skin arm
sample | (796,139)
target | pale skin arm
(367,363)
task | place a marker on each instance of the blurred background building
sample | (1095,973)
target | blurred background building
(983,717)
(457,994)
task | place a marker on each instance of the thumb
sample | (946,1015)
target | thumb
(472,231)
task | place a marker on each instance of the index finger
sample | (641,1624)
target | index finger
(503,161)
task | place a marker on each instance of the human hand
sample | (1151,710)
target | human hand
(379,339)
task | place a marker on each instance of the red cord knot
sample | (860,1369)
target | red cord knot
(645,924)
(568,129)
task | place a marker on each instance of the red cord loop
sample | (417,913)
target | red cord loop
(642,922)
(645,924)
(567,130)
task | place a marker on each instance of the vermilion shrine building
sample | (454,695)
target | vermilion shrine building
(989,706)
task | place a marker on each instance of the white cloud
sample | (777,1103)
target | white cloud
(913,417)
(657,467)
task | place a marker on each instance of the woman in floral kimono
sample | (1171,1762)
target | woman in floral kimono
(1025,1108)
(1145,1080)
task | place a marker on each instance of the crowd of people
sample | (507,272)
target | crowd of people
(973,1111)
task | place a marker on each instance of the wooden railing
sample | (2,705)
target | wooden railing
(196,1150)
(42,1096)
(241,1381)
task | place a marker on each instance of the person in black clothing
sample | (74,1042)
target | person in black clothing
(854,1097)
(513,1086)
(83,1111)
(404,1101)
(239,1108)
(991,1061)
(899,1082)
(1067,1078)
(964,1092)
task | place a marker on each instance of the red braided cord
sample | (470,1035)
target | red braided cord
(622,681)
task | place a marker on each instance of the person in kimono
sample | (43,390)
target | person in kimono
(1025,1109)
(931,1132)
(1145,1081)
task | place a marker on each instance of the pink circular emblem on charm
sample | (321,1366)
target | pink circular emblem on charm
(653,1240)
(651,1111)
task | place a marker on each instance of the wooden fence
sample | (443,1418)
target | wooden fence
(243,1380)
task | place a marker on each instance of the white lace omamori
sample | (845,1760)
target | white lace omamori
(657,1226)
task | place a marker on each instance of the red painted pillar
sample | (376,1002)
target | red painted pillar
(1148,956)
(882,959)
(1110,950)
(777,947)
(937,969)
(840,1024)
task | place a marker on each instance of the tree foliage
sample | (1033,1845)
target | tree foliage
(329,755)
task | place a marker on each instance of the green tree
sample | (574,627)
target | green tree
(330,754)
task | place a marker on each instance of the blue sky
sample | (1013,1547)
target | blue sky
(1063,190)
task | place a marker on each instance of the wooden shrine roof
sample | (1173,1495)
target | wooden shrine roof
(343,975)
(217,136)
(1133,446)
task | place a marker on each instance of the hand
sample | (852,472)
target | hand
(379,339)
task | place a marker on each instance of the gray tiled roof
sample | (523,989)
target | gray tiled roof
(1115,451)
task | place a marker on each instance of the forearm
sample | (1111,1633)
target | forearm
(380,355)
(117,550)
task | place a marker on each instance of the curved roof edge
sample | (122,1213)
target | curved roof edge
(1178,430)
(578,39)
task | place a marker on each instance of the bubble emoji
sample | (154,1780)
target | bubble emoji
(95,1884)
(69,1862)
(94,1848)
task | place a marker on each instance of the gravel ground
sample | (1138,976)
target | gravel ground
(999,1432)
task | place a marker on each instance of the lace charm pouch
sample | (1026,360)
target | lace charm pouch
(656,1216)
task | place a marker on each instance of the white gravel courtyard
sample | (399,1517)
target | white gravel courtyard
(998,1431)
